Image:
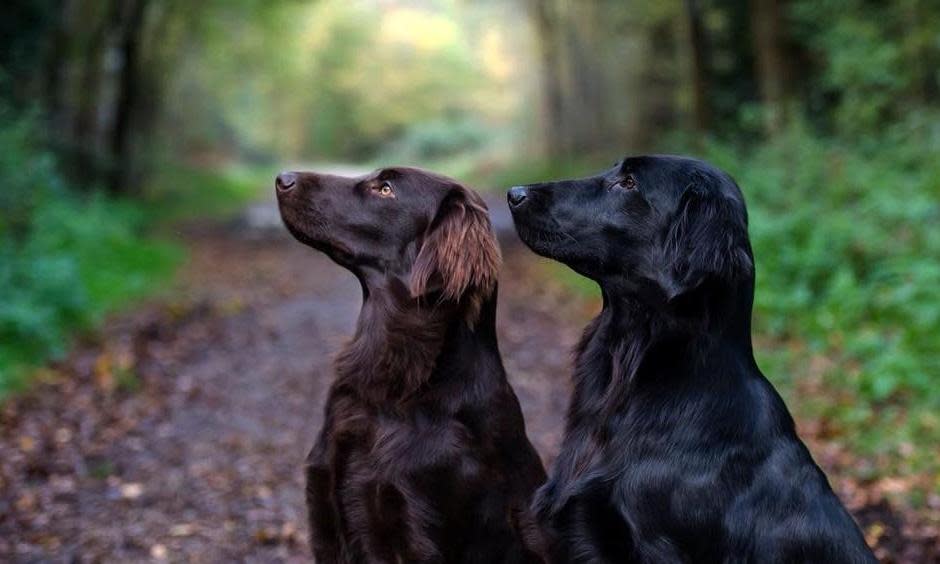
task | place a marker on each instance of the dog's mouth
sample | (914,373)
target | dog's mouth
(308,226)
(546,239)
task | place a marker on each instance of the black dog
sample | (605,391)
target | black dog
(423,455)
(676,447)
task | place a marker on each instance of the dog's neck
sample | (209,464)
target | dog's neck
(633,346)
(399,341)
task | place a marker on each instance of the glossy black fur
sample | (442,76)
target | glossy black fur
(676,447)
(423,455)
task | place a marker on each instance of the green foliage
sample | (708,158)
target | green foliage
(879,58)
(439,139)
(65,261)
(27,174)
(532,171)
(22,30)
(846,248)
(178,192)
(341,80)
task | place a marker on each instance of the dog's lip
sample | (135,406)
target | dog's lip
(540,224)
(316,238)
(541,237)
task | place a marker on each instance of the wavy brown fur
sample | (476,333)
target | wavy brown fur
(462,251)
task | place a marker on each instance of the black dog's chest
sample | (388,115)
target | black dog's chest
(610,497)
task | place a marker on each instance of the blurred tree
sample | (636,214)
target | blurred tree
(547,29)
(874,62)
(608,72)
(128,51)
(699,65)
(104,74)
(773,71)
(24,32)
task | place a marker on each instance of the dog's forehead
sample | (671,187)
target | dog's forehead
(662,163)
(674,173)
(411,176)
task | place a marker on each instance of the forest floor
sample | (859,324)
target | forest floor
(179,431)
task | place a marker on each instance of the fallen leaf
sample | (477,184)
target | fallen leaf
(104,373)
(182,530)
(26,502)
(873,533)
(158,552)
(131,490)
(63,435)
(27,443)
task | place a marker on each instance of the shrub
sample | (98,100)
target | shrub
(65,259)
(441,138)
(848,291)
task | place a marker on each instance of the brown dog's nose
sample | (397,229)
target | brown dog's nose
(285,181)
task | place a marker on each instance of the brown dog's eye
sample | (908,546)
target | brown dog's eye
(384,190)
(629,183)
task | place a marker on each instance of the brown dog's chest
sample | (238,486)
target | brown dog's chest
(401,486)
(392,448)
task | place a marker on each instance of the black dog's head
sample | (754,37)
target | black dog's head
(422,229)
(660,226)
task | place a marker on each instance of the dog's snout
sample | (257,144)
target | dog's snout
(517,195)
(285,181)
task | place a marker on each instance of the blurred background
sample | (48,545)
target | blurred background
(128,128)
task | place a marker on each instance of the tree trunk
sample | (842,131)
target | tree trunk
(661,83)
(56,61)
(545,20)
(771,61)
(589,125)
(129,48)
(699,66)
(86,135)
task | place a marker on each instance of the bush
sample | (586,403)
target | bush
(848,291)
(65,260)
(436,139)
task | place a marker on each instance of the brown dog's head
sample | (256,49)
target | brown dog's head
(421,229)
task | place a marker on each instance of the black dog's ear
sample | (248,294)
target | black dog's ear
(459,255)
(707,239)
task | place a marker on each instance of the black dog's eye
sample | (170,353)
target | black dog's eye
(629,182)
(384,190)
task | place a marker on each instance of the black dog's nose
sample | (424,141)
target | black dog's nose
(517,195)
(285,181)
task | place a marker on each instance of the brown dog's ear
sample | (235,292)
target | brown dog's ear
(707,239)
(459,253)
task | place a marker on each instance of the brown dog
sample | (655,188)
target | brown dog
(423,455)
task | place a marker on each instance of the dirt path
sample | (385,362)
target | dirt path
(180,433)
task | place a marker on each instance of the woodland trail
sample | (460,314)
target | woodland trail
(179,433)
